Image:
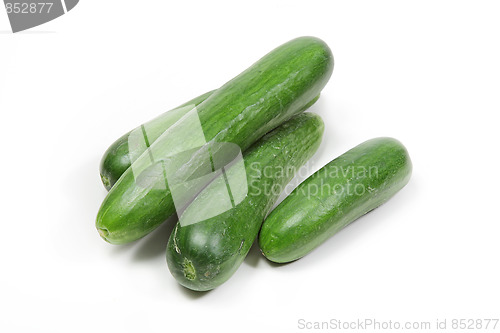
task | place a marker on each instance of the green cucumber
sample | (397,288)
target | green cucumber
(120,155)
(277,87)
(343,190)
(203,255)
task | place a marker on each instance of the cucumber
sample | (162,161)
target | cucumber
(120,155)
(343,190)
(280,85)
(203,255)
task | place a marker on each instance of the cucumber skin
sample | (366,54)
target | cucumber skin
(213,249)
(302,222)
(118,157)
(280,85)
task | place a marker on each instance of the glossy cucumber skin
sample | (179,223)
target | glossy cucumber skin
(119,156)
(280,85)
(204,255)
(343,190)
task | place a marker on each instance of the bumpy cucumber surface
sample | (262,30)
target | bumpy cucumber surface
(120,155)
(343,190)
(203,255)
(280,85)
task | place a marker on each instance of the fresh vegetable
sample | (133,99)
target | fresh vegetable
(120,155)
(343,190)
(203,253)
(280,85)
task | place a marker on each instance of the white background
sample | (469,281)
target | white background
(424,72)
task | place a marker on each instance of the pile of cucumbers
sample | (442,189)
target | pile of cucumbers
(220,161)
